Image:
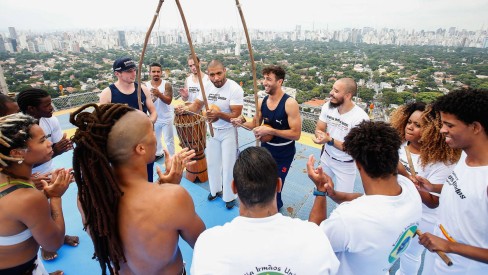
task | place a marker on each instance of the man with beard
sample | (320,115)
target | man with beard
(162,103)
(338,116)
(227,98)
(124,91)
(192,86)
(282,123)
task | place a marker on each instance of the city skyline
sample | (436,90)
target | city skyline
(276,15)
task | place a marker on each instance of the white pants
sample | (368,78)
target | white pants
(221,155)
(164,128)
(344,173)
(411,260)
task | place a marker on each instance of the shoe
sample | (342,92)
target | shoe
(211,198)
(230,204)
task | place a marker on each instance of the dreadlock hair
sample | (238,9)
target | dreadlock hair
(98,191)
(375,146)
(400,116)
(468,105)
(14,133)
(433,146)
(30,97)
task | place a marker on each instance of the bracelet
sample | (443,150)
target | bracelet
(331,142)
(319,193)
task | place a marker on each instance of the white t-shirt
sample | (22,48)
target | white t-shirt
(338,126)
(370,233)
(434,172)
(463,211)
(52,130)
(271,245)
(164,111)
(194,87)
(229,94)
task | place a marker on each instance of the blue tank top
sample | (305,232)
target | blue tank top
(131,100)
(277,119)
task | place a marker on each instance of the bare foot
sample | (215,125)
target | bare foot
(71,240)
(57,272)
(48,256)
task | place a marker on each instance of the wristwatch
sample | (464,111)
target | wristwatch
(319,193)
(331,142)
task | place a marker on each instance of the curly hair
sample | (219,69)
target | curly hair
(374,145)
(468,105)
(98,191)
(14,133)
(399,117)
(433,146)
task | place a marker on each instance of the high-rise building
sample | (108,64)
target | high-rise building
(122,40)
(2,45)
(3,83)
(485,42)
(13,33)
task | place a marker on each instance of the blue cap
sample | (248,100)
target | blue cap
(123,64)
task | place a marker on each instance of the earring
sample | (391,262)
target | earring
(20,161)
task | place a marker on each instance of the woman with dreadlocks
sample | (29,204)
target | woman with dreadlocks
(134,224)
(28,219)
(432,159)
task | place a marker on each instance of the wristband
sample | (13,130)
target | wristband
(331,142)
(319,193)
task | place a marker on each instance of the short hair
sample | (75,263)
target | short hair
(468,105)
(276,70)
(374,145)
(4,99)
(400,116)
(215,63)
(14,133)
(255,176)
(190,56)
(155,64)
(30,97)
(350,85)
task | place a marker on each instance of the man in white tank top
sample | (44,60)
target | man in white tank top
(162,95)
(192,85)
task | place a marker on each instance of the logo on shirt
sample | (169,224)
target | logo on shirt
(337,123)
(279,121)
(452,180)
(215,97)
(402,244)
(270,270)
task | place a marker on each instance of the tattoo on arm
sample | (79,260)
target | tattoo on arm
(168,91)
(54,214)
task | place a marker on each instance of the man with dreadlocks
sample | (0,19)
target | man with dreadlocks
(37,103)
(134,224)
(432,159)
(28,219)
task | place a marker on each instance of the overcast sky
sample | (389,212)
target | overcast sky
(38,15)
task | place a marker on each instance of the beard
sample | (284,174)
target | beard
(336,104)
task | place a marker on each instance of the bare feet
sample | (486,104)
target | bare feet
(48,256)
(57,272)
(71,240)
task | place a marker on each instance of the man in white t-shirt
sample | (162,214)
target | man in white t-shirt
(338,116)
(192,86)
(463,204)
(368,232)
(227,98)
(262,239)
(38,104)
(162,94)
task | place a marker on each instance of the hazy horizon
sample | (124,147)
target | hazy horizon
(276,15)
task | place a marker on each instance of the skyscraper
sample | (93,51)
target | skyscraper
(3,83)
(122,41)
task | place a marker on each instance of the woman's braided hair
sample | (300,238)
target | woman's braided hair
(14,133)
(98,191)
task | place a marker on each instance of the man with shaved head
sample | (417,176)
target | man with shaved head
(135,225)
(338,116)
(226,99)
